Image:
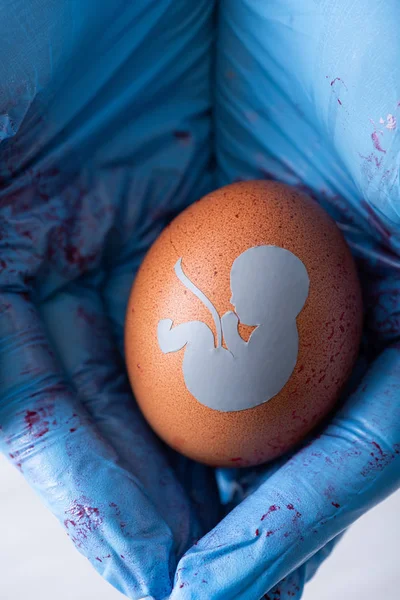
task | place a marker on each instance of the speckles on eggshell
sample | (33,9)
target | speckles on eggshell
(209,236)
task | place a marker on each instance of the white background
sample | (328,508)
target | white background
(40,563)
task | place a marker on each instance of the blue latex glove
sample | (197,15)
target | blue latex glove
(106,134)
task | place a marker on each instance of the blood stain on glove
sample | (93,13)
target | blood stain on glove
(294,523)
(15,457)
(275,595)
(38,421)
(271,509)
(102,558)
(297,514)
(329,493)
(376,141)
(82,520)
(380,459)
(333,86)
(122,524)
(372,159)
(76,424)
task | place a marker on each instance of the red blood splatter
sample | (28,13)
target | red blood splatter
(335,504)
(372,158)
(271,509)
(122,556)
(377,446)
(74,426)
(82,520)
(257,532)
(38,421)
(339,101)
(69,522)
(14,456)
(269,533)
(338,79)
(236,459)
(379,462)
(377,143)
(182,585)
(99,559)
(291,507)
(116,507)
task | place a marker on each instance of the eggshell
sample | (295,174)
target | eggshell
(209,236)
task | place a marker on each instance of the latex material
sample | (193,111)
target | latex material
(105,132)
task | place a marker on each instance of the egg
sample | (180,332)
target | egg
(243,324)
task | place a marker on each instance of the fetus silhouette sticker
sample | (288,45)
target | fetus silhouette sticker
(269,288)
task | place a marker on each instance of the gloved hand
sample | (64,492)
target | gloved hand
(106,134)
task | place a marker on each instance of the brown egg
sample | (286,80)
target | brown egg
(243,388)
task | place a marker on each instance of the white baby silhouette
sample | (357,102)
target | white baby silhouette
(269,288)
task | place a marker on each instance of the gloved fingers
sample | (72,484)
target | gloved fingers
(92,50)
(266,122)
(51,438)
(291,105)
(349,468)
(80,332)
(313,563)
(292,586)
(237,484)
(307,97)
